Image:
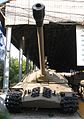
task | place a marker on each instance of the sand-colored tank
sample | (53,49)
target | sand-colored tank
(43,88)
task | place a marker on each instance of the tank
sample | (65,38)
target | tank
(44,88)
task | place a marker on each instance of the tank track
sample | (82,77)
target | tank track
(13,101)
(69,104)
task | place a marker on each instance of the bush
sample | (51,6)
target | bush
(4,115)
(14,70)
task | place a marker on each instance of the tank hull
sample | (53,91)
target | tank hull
(40,104)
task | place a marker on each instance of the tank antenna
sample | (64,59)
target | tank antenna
(38,14)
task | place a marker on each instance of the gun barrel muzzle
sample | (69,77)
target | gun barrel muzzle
(38,13)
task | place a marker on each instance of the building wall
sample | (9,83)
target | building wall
(20,11)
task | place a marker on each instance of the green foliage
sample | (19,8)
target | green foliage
(14,69)
(13,76)
(4,115)
(23,66)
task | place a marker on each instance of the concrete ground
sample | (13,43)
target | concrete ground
(45,114)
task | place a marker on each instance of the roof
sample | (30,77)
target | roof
(18,12)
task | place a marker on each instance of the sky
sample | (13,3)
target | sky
(15,52)
(2,1)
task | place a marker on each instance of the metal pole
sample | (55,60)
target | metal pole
(21,58)
(7,58)
(27,64)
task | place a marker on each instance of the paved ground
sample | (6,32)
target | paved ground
(40,114)
(45,114)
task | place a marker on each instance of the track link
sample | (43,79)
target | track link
(69,104)
(13,101)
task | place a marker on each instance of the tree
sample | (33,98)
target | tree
(14,69)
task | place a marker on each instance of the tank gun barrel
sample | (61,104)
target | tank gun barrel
(38,14)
